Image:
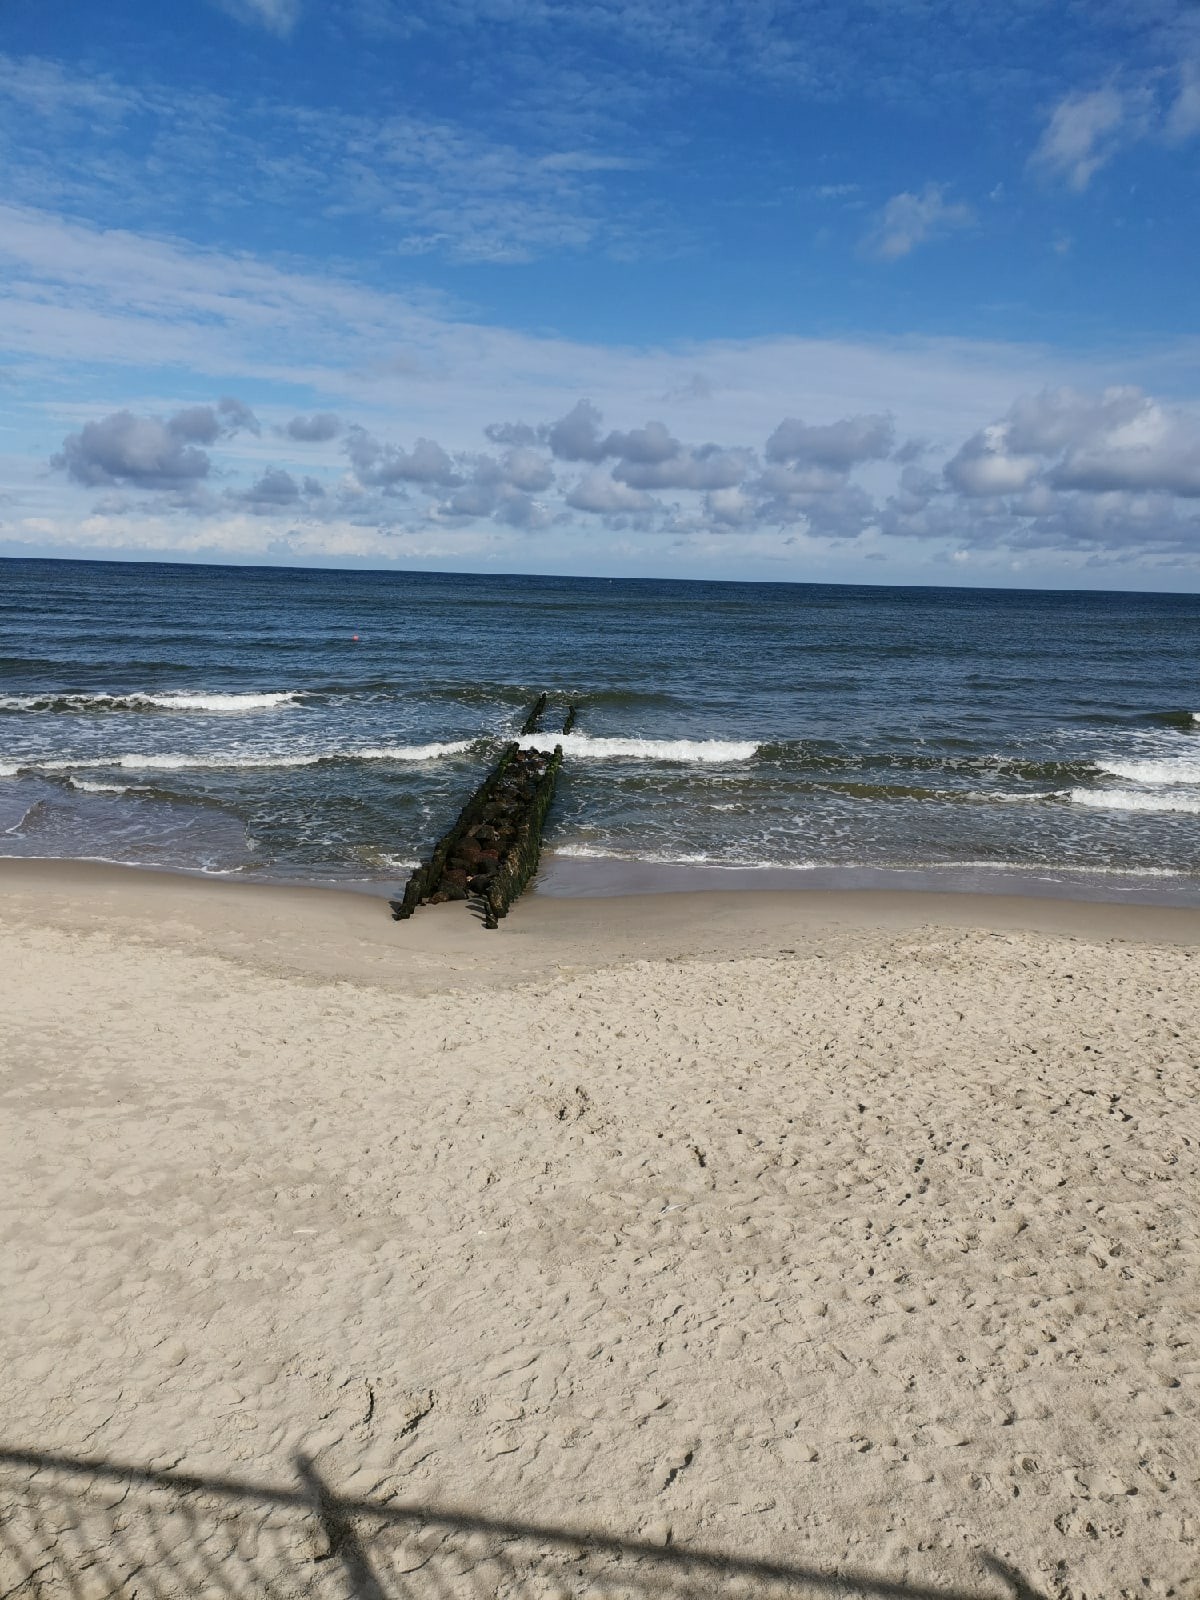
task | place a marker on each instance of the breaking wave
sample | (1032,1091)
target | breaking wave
(1134,800)
(85,786)
(219,761)
(177,701)
(1174,769)
(587,747)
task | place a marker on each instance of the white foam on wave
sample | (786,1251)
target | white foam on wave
(219,702)
(409,752)
(1134,800)
(170,700)
(87,787)
(8,769)
(589,747)
(220,760)
(1171,769)
(695,858)
(1037,869)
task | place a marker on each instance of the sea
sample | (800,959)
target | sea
(325,727)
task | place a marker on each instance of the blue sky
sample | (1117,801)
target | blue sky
(899,291)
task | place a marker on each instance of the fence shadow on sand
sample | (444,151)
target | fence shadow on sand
(89,1529)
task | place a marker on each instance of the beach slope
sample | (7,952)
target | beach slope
(849,1235)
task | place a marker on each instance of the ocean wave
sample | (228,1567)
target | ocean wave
(1171,769)
(658,858)
(1036,869)
(589,747)
(1133,800)
(85,786)
(219,761)
(170,700)
(25,816)
(9,769)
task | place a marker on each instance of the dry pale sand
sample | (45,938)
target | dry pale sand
(859,1236)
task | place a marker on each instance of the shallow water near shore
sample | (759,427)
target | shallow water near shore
(229,721)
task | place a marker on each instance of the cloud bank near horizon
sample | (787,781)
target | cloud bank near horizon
(309,418)
(1061,470)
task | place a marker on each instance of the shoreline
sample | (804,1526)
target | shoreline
(567,876)
(340,934)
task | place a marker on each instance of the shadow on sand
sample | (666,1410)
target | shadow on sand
(89,1528)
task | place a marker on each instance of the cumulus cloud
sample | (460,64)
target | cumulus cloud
(383,466)
(576,437)
(1083,133)
(645,446)
(730,508)
(708,467)
(599,492)
(278,490)
(511,433)
(527,469)
(837,445)
(1119,440)
(908,220)
(649,457)
(141,451)
(148,452)
(235,416)
(1060,469)
(317,429)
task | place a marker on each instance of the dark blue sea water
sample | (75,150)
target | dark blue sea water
(229,720)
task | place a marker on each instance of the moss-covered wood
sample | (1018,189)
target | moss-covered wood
(492,849)
(518,861)
(427,882)
(530,725)
(569,719)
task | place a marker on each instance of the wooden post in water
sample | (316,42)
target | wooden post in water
(535,716)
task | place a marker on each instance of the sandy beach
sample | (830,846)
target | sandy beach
(853,1235)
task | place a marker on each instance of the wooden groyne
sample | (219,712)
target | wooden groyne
(491,851)
(530,725)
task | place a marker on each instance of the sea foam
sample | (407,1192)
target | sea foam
(221,760)
(1171,769)
(1134,800)
(171,700)
(589,747)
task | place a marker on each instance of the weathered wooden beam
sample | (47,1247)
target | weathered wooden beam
(519,862)
(530,725)
(426,879)
(569,719)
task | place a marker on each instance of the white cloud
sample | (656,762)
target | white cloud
(908,220)
(838,445)
(1084,132)
(1183,117)
(1121,439)
(278,16)
(418,392)
(600,493)
(316,429)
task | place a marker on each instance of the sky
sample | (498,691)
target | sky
(886,291)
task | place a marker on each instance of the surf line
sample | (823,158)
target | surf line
(491,851)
